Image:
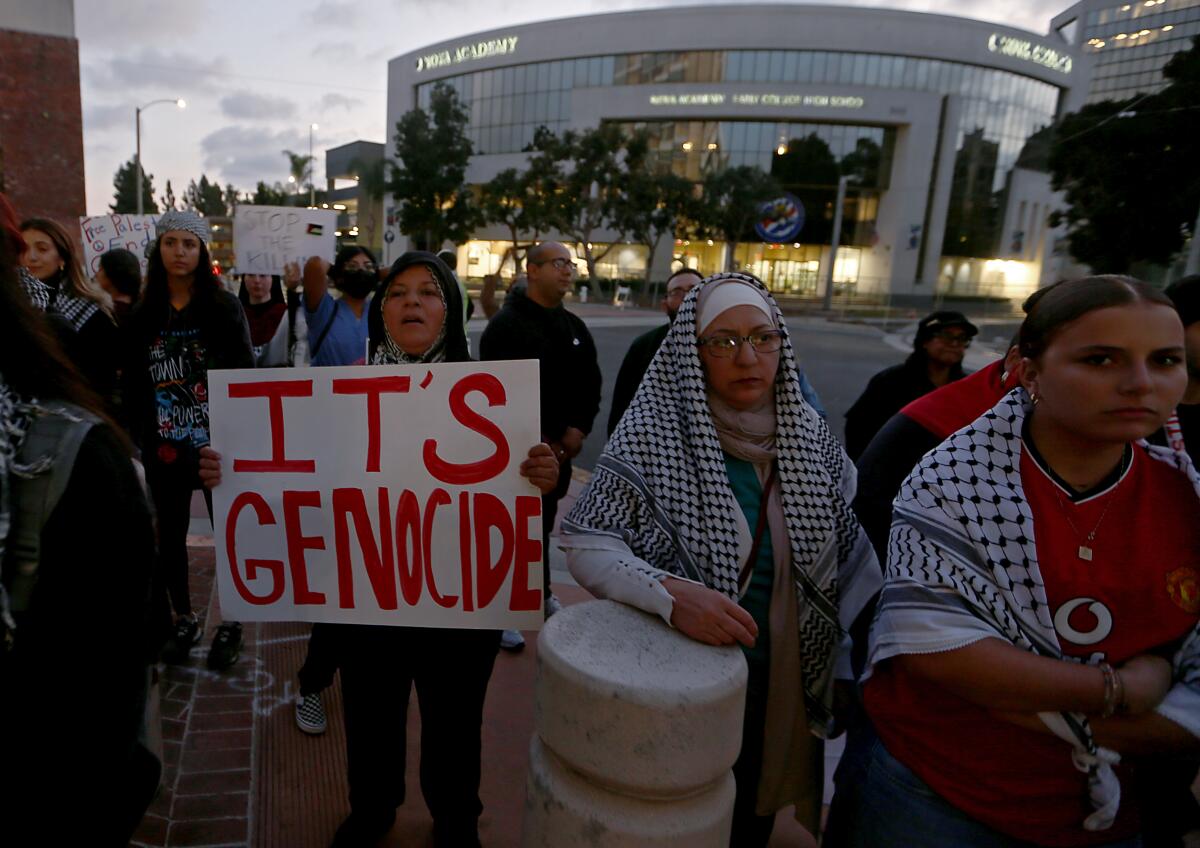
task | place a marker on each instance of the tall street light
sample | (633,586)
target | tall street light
(843,181)
(138,155)
(312,190)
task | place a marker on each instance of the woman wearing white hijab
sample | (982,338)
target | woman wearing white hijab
(721,504)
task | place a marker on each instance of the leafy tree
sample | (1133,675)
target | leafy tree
(586,173)
(205,197)
(512,200)
(728,205)
(864,163)
(125,190)
(269,195)
(167,201)
(429,181)
(372,184)
(231,198)
(655,203)
(807,161)
(1130,171)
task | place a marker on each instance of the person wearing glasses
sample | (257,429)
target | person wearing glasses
(534,325)
(722,504)
(939,346)
(642,350)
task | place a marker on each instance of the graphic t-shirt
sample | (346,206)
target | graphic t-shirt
(179,372)
(1138,593)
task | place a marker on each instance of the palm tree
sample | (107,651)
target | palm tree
(301,167)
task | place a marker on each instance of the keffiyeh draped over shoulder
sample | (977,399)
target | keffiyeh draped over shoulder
(76,311)
(661,487)
(962,566)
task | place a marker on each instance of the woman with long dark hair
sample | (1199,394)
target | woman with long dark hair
(82,310)
(185,325)
(76,545)
(1037,641)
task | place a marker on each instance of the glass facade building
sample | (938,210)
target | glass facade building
(989,113)
(1130,42)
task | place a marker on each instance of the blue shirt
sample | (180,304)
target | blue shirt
(346,341)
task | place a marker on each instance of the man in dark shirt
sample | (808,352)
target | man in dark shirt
(534,325)
(940,343)
(641,352)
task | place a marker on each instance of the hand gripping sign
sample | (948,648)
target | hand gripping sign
(379,495)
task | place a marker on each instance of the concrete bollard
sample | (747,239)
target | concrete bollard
(636,729)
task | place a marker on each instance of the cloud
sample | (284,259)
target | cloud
(338,49)
(150,68)
(119,26)
(98,117)
(247,105)
(333,100)
(243,155)
(335,13)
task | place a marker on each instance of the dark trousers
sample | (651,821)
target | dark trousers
(549,513)
(321,661)
(751,830)
(171,487)
(450,669)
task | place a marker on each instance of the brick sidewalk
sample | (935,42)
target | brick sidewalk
(239,773)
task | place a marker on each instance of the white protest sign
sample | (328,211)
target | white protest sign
(265,238)
(386,494)
(103,233)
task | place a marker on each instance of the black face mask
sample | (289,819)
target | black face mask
(358,283)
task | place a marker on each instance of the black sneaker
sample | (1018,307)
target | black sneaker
(226,646)
(179,647)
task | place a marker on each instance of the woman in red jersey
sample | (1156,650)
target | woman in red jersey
(1037,641)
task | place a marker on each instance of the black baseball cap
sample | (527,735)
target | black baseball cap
(935,322)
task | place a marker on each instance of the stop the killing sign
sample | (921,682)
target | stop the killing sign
(780,219)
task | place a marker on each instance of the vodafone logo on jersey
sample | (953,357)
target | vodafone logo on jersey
(1083,621)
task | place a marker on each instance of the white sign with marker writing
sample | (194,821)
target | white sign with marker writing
(265,238)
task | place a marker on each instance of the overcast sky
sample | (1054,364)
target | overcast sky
(256,74)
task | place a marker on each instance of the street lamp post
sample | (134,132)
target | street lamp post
(137,156)
(312,190)
(843,181)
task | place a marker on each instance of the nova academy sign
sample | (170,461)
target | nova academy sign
(468,53)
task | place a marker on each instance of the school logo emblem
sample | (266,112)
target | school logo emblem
(1183,585)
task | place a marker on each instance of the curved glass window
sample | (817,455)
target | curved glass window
(1001,110)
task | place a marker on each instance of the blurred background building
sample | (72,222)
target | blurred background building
(941,121)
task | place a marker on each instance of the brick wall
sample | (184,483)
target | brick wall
(41,126)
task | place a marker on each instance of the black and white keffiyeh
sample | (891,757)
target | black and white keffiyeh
(662,488)
(451,342)
(39,293)
(74,310)
(962,566)
(16,414)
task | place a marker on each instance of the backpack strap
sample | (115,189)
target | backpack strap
(56,431)
(321,338)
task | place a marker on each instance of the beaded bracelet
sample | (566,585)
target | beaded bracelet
(1112,684)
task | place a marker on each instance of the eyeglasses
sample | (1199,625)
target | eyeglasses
(678,294)
(950,338)
(559,264)
(768,341)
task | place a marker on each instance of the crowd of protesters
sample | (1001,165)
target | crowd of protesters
(993,588)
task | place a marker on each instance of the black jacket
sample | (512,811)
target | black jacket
(566,355)
(633,369)
(887,393)
(95,566)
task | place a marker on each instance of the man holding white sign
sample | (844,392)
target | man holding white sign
(417,515)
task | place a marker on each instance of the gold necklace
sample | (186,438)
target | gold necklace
(1085,547)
